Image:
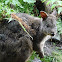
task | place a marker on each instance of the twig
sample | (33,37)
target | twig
(20,20)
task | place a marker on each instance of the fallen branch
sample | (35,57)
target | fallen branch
(20,21)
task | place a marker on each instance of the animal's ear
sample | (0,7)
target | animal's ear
(43,14)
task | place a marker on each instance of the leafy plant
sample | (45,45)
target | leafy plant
(59,25)
(27,7)
(9,6)
(34,55)
(55,57)
(29,1)
(5,10)
(45,59)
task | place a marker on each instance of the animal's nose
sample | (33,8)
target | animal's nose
(52,34)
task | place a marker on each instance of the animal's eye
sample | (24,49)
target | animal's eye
(48,26)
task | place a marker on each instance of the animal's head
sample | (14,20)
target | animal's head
(48,24)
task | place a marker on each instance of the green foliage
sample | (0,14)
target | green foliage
(58,3)
(33,56)
(54,3)
(43,0)
(17,6)
(29,1)
(55,57)
(14,2)
(27,7)
(45,59)
(5,9)
(59,25)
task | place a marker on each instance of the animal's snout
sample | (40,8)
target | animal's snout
(52,34)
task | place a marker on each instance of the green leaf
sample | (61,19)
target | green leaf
(7,1)
(59,10)
(48,2)
(59,2)
(53,6)
(17,3)
(43,0)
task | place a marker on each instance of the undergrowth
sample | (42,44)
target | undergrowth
(56,57)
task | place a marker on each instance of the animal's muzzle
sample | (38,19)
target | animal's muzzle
(52,34)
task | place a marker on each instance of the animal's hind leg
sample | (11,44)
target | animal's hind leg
(26,49)
(18,51)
